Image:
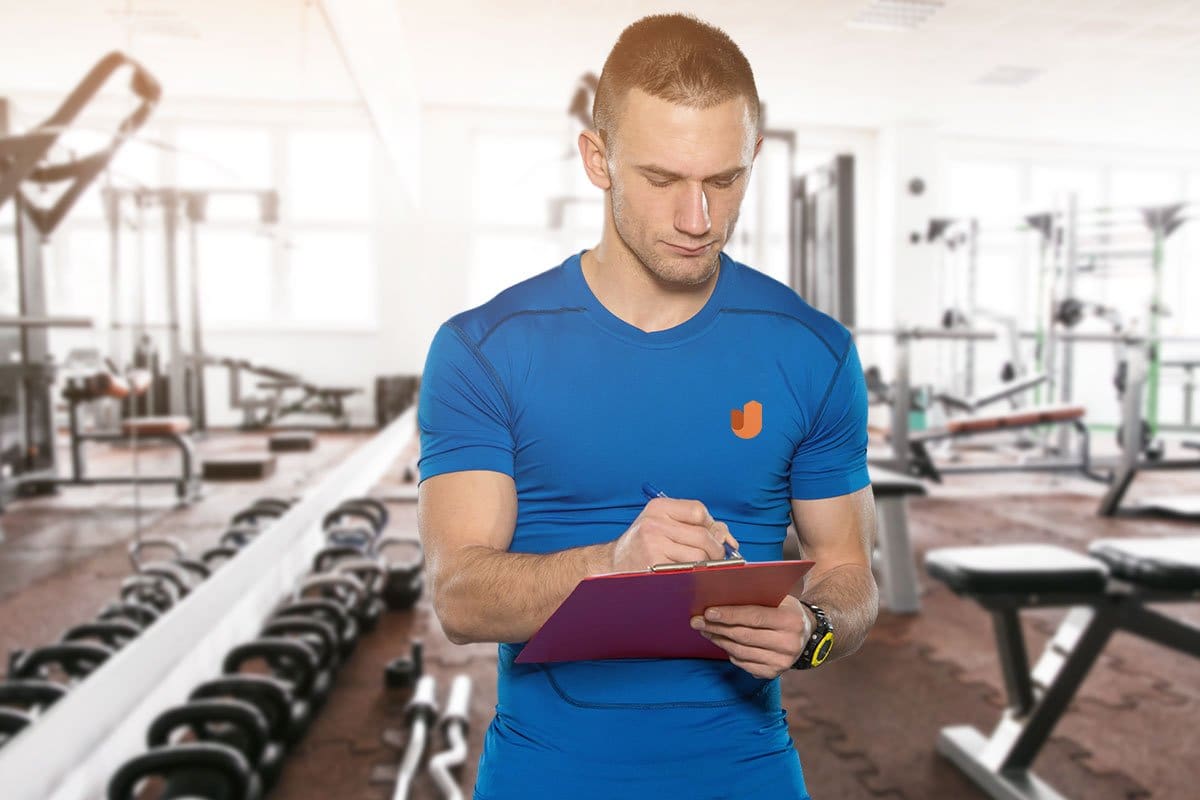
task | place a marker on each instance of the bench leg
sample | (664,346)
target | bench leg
(897,570)
(1000,764)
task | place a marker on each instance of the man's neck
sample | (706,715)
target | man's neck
(635,295)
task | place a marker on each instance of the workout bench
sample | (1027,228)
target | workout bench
(1108,590)
(920,462)
(86,388)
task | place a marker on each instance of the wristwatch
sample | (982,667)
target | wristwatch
(819,643)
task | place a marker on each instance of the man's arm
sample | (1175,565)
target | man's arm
(838,533)
(482,593)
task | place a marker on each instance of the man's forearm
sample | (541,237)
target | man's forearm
(849,595)
(495,596)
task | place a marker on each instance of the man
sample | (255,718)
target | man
(652,358)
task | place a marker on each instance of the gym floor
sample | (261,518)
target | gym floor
(865,727)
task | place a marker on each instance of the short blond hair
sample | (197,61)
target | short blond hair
(677,58)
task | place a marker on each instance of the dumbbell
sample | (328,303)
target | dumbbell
(113,633)
(254,516)
(12,722)
(269,695)
(331,611)
(319,635)
(139,614)
(367,509)
(404,672)
(22,701)
(348,590)
(420,714)
(30,694)
(292,662)
(453,726)
(182,578)
(372,574)
(192,770)
(178,556)
(216,556)
(151,590)
(234,723)
(74,660)
(344,589)
(405,581)
(279,504)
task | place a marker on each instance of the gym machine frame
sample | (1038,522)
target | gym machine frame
(28,382)
(185,371)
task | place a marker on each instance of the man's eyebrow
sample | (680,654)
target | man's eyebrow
(727,175)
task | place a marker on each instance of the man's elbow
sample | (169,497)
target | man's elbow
(449,614)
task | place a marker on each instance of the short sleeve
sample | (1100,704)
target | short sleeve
(832,458)
(463,410)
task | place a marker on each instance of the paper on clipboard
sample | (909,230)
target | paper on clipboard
(648,614)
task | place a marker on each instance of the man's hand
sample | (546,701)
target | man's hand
(670,531)
(762,640)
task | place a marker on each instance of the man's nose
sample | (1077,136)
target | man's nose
(691,216)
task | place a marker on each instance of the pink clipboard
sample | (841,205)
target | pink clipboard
(648,614)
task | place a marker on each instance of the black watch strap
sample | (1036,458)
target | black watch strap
(819,643)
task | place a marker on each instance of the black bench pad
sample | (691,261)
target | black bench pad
(1016,569)
(885,483)
(1171,563)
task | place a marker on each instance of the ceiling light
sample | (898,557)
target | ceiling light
(895,15)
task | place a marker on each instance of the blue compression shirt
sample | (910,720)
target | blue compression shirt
(755,400)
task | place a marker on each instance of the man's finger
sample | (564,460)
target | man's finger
(764,638)
(742,651)
(747,616)
(676,553)
(701,538)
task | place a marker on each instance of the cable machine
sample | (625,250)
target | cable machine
(27,440)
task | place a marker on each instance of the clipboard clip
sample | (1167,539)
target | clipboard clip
(690,565)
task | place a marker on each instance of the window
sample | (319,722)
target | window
(515,176)
(10,299)
(224,157)
(235,277)
(329,176)
(983,189)
(316,260)
(499,260)
(1050,186)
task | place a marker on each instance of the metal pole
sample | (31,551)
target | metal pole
(176,370)
(901,403)
(112,207)
(1068,355)
(196,394)
(1155,308)
(972,286)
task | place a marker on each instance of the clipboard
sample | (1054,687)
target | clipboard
(648,614)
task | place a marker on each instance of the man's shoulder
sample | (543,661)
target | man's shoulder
(761,293)
(544,292)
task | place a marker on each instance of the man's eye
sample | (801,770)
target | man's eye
(659,184)
(724,184)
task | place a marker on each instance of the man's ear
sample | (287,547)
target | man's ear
(757,147)
(595,159)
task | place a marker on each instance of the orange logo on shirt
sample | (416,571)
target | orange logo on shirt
(747,421)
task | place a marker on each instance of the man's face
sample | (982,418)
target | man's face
(678,178)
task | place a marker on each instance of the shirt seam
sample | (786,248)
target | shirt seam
(772,312)
(829,389)
(487,365)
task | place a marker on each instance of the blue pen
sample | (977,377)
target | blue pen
(651,491)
